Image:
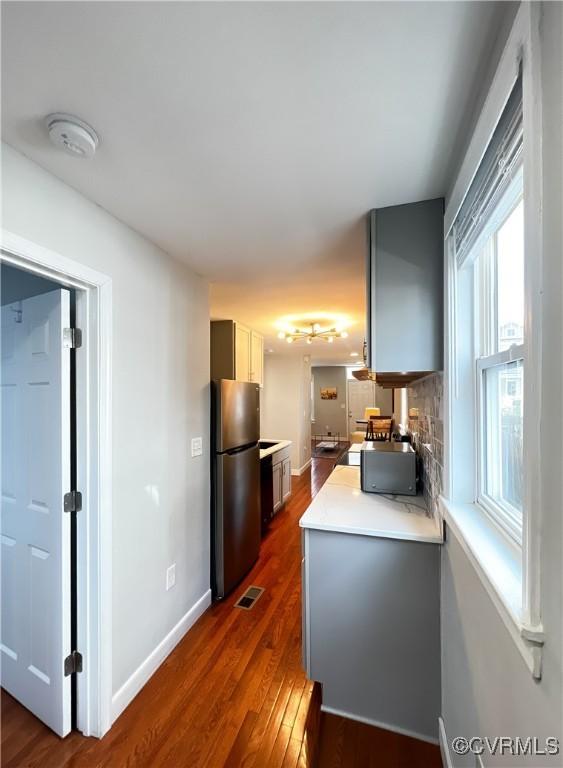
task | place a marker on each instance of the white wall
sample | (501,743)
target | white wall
(331,415)
(486,688)
(286,404)
(160,401)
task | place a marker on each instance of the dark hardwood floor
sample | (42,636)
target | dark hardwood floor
(232,693)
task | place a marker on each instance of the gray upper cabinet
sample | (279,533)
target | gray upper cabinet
(405,272)
(237,352)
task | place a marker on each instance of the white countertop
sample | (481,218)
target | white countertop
(341,506)
(275,448)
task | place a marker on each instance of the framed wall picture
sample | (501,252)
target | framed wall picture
(329,393)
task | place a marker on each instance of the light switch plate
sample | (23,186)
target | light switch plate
(170,576)
(197,446)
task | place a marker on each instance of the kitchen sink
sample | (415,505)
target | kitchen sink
(267,443)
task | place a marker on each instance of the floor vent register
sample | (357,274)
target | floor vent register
(249,598)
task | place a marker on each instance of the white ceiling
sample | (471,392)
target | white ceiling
(249,139)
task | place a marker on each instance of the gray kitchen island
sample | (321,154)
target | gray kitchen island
(371,593)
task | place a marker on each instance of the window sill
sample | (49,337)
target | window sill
(498,564)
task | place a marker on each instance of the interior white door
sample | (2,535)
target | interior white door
(361,395)
(35,531)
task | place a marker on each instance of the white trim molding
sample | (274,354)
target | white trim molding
(148,667)
(499,569)
(522,51)
(94,469)
(444,745)
(304,468)
(534,417)
(378,724)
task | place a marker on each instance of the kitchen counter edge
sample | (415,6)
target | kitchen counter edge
(335,501)
(280,444)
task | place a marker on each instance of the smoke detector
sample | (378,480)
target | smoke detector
(72,134)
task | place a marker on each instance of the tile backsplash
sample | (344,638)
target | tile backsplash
(426,426)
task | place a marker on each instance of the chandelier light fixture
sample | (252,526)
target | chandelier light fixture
(316,332)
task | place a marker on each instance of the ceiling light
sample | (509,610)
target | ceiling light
(353,354)
(312,332)
(72,134)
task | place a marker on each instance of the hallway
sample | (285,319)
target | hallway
(232,693)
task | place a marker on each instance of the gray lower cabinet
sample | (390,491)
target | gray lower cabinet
(371,628)
(277,485)
(281,471)
(286,480)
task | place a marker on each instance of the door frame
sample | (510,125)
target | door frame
(93,466)
(348,382)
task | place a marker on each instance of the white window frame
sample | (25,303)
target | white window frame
(487,357)
(507,521)
(519,602)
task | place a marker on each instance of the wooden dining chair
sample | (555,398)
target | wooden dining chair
(380,428)
(358,436)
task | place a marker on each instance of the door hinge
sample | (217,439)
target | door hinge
(72,501)
(72,338)
(73,663)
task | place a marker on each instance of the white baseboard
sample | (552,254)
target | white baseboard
(378,724)
(148,667)
(298,472)
(444,745)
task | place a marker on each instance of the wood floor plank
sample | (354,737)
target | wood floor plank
(292,708)
(279,747)
(231,729)
(236,752)
(273,703)
(209,711)
(232,693)
(292,753)
(308,724)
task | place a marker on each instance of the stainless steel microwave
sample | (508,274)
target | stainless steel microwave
(388,468)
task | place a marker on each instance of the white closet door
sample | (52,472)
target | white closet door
(35,531)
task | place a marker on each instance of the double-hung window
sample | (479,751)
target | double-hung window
(500,369)
(489,241)
(498,391)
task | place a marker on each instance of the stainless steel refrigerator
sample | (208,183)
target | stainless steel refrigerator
(235,482)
